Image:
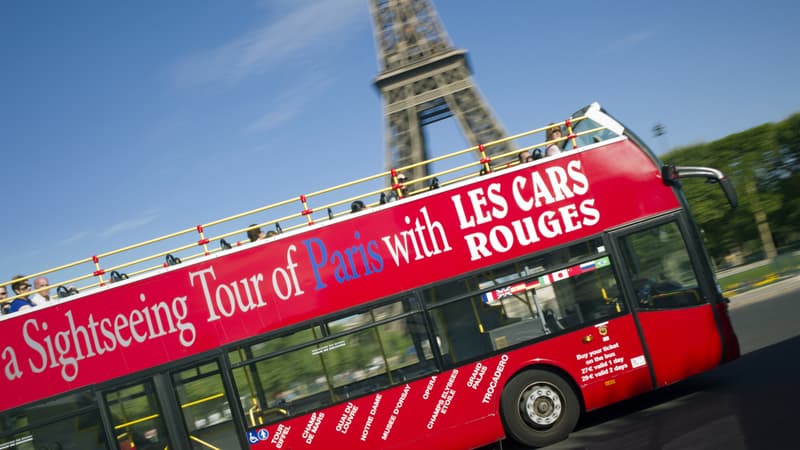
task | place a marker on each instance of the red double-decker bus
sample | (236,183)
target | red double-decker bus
(498,304)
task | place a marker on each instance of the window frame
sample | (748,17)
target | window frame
(692,246)
(600,238)
(412,308)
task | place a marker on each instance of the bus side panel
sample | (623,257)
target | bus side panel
(443,411)
(681,342)
(459,408)
(606,361)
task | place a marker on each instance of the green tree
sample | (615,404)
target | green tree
(786,170)
(763,163)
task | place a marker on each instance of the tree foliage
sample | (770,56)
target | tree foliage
(764,165)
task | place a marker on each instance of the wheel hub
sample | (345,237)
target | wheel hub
(542,404)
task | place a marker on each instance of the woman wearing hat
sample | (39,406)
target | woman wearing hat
(553,134)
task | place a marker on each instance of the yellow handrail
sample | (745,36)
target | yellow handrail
(203,400)
(203,443)
(135,421)
(289,221)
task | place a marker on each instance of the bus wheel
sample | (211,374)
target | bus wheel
(539,408)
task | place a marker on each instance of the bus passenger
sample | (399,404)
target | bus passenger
(401,179)
(20,286)
(41,297)
(393,196)
(357,206)
(555,147)
(3,297)
(255,233)
(528,156)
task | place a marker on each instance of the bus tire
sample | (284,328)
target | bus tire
(539,408)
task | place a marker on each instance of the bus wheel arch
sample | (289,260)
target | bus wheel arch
(540,405)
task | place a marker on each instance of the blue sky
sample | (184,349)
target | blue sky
(122,121)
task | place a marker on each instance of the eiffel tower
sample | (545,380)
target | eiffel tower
(424,79)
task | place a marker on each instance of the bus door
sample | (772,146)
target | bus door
(671,307)
(185,408)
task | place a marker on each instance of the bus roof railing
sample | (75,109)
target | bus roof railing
(103,264)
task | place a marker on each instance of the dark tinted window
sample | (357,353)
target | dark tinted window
(551,293)
(339,359)
(71,421)
(660,268)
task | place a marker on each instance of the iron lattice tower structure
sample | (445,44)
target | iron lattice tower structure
(424,79)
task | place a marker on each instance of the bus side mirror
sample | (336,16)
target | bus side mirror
(671,173)
(730,192)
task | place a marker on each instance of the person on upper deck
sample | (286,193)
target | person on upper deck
(3,297)
(357,206)
(528,156)
(255,233)
(41,297)
(553,148)
(20,286)
(392,195)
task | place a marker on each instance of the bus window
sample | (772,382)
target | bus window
(354,363)
(588,294)
(339,360)
(136,417)
(70,421)
(660,268)
(292,339)
(526,301)
(288,383)
(204,406)
(601,134)
(406,348)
